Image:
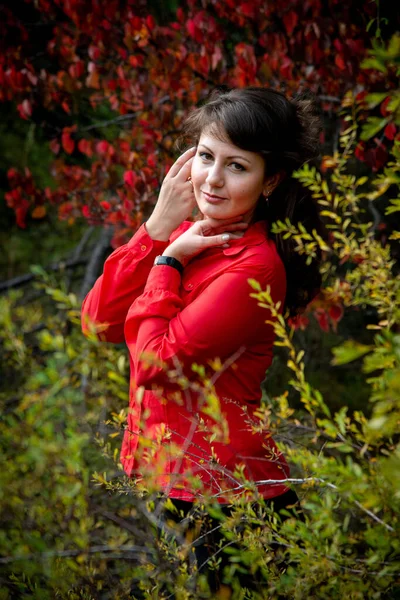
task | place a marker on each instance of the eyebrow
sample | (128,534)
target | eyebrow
(229,157)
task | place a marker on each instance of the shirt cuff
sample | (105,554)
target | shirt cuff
(163,277)
(143,242)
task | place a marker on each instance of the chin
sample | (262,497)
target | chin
(214,212)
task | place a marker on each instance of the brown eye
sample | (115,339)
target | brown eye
(238,167)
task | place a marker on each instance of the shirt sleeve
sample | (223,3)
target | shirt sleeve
(124,276)
(224,317)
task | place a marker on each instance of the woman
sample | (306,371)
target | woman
(178,294)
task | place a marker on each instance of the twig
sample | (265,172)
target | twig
(21,280)
(376,215)
(96,260)
(324,482)
(123,523)
(76,254)
(329,99)
(65,553)
(100,124)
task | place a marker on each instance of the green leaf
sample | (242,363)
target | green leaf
(372,127)
(373,63)
(349,351)
(375,99)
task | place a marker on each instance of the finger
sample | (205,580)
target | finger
(182,162)
(216,240)
(236,236)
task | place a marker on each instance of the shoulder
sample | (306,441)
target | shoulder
(258,252)
(260,260)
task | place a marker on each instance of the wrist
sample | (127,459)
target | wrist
(173,253)
(170,261)
(157,232)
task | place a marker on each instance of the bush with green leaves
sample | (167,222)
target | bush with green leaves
(73,526)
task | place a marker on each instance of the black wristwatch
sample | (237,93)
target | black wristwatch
(170,261)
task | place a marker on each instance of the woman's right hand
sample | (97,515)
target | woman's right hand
(176,200)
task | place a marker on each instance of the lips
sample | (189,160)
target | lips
(213,198)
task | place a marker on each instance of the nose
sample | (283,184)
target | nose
(215,176)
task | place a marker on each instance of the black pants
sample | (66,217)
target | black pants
(204,533)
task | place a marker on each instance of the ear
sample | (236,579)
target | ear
(272,182)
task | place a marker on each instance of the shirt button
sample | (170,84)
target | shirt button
(190,286)
(143,247)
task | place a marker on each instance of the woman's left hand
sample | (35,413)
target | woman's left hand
(205,234)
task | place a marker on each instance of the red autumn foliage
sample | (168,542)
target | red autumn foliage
(117,58)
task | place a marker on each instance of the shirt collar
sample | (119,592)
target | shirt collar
(255,235)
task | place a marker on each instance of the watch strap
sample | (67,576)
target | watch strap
(169,261)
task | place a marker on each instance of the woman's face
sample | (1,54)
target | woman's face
(227,181)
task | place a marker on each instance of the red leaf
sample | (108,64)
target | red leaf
(150,22)
(338,45)
(299,322)
(290,20)
(335,312)
(339,62)
(55,146)
(66,107)
(94,53)
(102,147)
(12,173)
(67,142)
(105,205)
(21,213)
(360,151)
(86,211)
(130,178)
(124,146)
(152,161)
(361,96)
(322,318)
(65,209)
(85,147)
(191,27)
(248,9)
(390,131)
(24,109)
(384,104)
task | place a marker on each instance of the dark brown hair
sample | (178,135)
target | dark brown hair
(286,132)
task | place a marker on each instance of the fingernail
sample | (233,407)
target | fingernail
(225,237)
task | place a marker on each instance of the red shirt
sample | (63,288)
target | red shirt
(169,321)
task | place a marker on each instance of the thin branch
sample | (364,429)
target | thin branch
(96,260)
(66,553)
(317,480)
(78,250)
(329,99)
(123,523)
(118,119)
(82,243)
(376,215)
(21,280)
